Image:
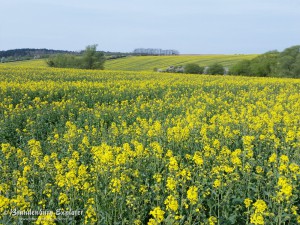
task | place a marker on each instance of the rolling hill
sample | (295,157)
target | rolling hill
(148,63)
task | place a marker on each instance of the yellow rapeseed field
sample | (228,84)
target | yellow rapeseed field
(107,147)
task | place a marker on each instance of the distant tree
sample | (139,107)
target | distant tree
(215,69)
(93,59)
(289,62)
(296,68)
(241,68)
(193,68)
(264,65)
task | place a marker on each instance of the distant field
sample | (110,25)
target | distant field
(27,63)
(148,63)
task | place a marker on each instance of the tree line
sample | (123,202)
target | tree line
(29,53)
(271,64)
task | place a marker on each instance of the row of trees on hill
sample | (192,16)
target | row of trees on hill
(271,64)
(89,59)
(32,53)
(29,53)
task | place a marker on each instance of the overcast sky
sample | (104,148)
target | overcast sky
(189,26)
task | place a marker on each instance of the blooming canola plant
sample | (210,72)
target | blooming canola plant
(148,148)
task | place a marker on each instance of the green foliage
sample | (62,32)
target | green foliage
(289,62)
(215,69)
(91,59)
(261,66)
(28,54)
(264,65)
(64,61)
(271,64)
(193,68)
(241,68)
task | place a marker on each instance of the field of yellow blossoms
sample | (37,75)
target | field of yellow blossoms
(145,148)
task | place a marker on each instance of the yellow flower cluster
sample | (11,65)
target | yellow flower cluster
(158,215)
(192,195)
(257,217)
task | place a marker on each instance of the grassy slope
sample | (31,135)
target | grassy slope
(148,63)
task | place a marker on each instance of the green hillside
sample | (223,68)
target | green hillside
(137,63)
(148,63)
